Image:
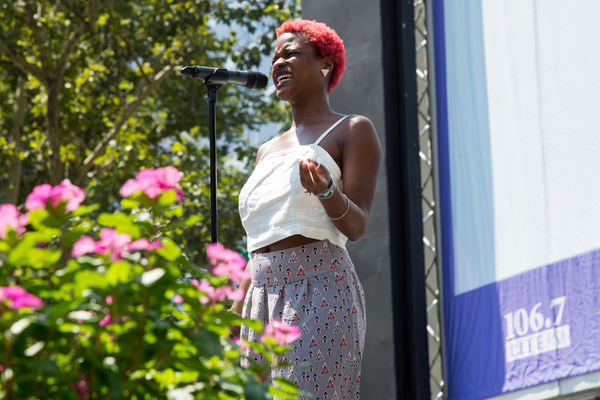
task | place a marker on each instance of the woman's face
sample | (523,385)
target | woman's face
(296,67)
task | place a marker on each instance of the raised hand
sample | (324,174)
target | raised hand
(314,177)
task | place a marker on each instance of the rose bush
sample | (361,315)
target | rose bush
(110,307)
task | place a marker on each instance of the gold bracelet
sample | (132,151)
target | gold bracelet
(345,212)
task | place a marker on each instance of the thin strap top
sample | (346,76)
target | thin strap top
(273,205)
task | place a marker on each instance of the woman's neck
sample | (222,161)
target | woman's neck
(311,111)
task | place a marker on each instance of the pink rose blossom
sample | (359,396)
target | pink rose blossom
(281,332)
(105,320)
(153,182)
(10,218)
(112,243)
(19,298)
(46,194)
(228,262)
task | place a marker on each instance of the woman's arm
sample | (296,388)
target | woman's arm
(361,159)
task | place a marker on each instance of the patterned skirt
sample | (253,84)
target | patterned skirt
(315,287)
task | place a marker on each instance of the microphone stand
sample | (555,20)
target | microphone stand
(212,100)
(214,78)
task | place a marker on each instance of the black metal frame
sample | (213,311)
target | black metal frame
(404,196)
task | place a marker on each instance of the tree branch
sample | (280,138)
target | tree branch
(20,62)
(131,108)
(74,39)
(15,160)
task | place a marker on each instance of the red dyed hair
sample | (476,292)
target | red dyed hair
(326,42)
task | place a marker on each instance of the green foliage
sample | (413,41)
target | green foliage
(106,71)
(119,323)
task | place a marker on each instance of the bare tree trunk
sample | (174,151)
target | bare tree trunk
(17,131)
(57,172)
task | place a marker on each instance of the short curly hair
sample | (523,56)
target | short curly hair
(326,42)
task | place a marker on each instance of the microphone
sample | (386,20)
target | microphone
(221,76)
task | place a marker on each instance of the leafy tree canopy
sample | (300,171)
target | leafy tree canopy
(89,91)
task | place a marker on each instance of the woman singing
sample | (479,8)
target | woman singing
(312,189)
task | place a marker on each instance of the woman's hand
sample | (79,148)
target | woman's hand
(314,177)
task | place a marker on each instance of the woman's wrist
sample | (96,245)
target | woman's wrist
(345,212)
(329,192)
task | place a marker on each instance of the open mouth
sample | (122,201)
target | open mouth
(283,78)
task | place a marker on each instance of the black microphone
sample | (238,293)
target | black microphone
(221,76)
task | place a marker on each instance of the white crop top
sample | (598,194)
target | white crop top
(273,205)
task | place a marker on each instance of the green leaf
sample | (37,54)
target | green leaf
(167,198)
(121,222)
(286,385)
(209,342)
(41,219)
(77,233)
(118,272)
(89,279)
(25,254)
(4,247)
(84,210)
(102,20)
(193,220)
(255,391)
(175,212)
(254,324)
(170,250)
(129,204)
(47,366)
(58,310)
(278,392)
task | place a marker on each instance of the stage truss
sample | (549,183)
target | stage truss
(424,58)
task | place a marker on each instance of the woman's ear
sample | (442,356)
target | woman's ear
(327,64)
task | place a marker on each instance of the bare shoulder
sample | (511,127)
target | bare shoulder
(264,147)
(361,132)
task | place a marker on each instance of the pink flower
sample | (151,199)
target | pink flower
(281,332)
(112,243)
(10,218)
(177,299)
(144,244)
(46,194)
(83,246)
(109,300)
(81,387)
(228,262)
(153,182)
(1,367)
(19,298)
(37,199)
(205,287)
(237,294)
(105,320)
(244,346)
(217,293)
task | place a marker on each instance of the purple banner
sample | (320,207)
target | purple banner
(551,322)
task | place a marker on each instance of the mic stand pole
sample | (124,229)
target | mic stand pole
(212,100)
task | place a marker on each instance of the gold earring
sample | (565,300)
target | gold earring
(325,72)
